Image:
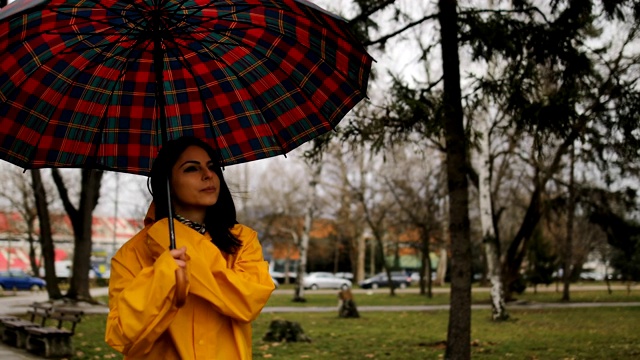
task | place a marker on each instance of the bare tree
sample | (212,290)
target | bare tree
(418,189)
(81,220)
(376,205)
(18,192)
(342,204)
(279,208)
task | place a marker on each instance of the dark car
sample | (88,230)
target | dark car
(400,280)
(18,279)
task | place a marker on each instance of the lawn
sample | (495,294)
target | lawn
(599,333)
(583,333)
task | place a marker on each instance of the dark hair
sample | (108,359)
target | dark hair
(219,218)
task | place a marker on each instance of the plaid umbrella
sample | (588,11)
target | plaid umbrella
(102,84)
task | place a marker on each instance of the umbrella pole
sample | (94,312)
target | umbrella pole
(158,65)
(182,280)
(172,231)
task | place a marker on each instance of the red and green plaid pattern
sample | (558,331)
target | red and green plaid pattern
(256,78)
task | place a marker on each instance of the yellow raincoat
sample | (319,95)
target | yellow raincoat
(225,293)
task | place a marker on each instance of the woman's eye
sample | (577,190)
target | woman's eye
(190,169)
(212,167)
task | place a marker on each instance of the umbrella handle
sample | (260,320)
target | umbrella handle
(181,287)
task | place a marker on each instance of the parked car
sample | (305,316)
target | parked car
(324,280)
(592,276)
(415,277)
(280,277)
(345,275)
(20,280)
(400,280)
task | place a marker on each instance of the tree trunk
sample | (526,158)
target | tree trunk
(425,266)
(441,271)
(304,242)
(362,248)
(32,248)
(568,246)
(518,247)
(489,239)
(287,264)
(298,293)
(30,215)
(372,257)
(81,221)
(459,330)
(336,255)
(377,248)
(46,240)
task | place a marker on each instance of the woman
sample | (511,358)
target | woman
(228,279)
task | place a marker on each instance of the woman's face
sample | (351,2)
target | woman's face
(194,183)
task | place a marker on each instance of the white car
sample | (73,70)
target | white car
(324,280)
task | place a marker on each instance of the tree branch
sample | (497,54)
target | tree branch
(399,31)
(64,194)
(364,15)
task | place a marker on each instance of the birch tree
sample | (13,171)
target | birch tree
(309,216)
(491,245)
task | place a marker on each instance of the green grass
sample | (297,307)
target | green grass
(585,333)
(594,333)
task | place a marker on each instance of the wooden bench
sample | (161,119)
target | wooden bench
(14,331)
(54,342)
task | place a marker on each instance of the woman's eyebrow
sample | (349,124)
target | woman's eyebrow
(190,162)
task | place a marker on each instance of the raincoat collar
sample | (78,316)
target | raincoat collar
(150,218)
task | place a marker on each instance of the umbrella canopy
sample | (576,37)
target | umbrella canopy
(102,84)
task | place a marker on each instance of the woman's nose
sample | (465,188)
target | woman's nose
(207,174)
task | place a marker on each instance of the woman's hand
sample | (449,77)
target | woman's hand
(180,256)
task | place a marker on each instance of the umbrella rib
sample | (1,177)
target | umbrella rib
(230,36)
(309,102)
(103,128)
(181,57)
(277,66)
(105,111)
(280,142)
(105,46)
(281,9)
(90,20)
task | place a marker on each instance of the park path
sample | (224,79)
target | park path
(19,303)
